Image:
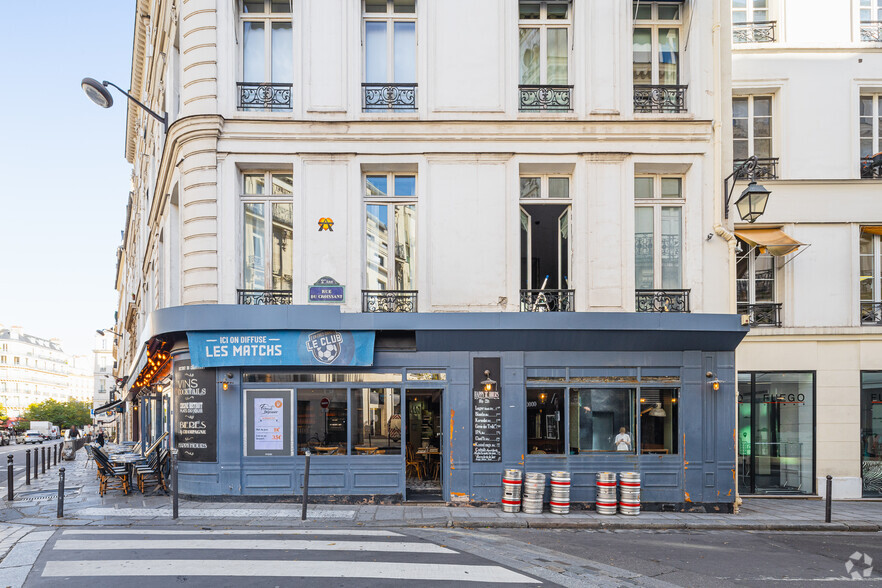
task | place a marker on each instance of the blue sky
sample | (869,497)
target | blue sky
(65,179)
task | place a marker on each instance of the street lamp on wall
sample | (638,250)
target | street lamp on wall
(752,202)
(99,94)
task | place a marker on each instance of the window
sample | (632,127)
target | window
(871,429)
(658,421)
(544,55)
(657,43)
(871,20)
(751,22)
(871,135)
(268,223)
(658,232)
(752,133)
(545,411)
(755,285)
(546,246)
(748,11)
(268,422)
(15,361)
(602,419)
(377,422)
(267,54)
(321,421)
(870,282)
(389,55)
(390,232)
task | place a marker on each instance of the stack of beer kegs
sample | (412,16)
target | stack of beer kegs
(534,492)
(629,493)
(511,491)
(560,493)
(606,493)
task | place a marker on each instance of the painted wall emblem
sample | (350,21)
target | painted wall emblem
(326,224)
(325,345)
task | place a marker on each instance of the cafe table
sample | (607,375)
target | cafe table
(326,450)
(366,450)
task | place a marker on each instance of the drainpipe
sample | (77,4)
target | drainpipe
(719,197)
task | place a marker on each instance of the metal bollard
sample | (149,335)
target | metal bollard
(55,454)
(36,462)
(43,467)
(27,467)
(174,468)
(61,492)
(305,487)
(829,497)
(9,477)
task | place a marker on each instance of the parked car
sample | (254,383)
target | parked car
(32,437)
(5,437)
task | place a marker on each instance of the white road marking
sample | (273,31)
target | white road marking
(387,546)
(347,532)
(285,568)
(252,513)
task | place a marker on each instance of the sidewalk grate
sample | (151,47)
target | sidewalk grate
(40,495)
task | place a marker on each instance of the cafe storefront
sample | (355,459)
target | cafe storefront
(396,407)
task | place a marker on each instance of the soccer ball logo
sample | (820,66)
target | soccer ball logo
(325,345)
(859,566)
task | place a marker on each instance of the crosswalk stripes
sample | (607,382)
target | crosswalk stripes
(84,557)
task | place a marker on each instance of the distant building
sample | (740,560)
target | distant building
(80,378)
(32,370)
(102,379)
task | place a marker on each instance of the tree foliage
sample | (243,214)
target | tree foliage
(64,414)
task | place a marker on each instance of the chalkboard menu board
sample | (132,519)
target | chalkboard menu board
(195,413)
(486,413)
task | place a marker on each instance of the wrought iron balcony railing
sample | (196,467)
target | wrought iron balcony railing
(660,98)
(389,300)
(662,300)
(871,31)
(761,31)
(871,313)
(766,169)
(762,314)
(548,300)
(259,96)
(265,297)
(547,98)
(385,97)
(871,167)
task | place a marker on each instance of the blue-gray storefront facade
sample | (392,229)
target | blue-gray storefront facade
(565,383)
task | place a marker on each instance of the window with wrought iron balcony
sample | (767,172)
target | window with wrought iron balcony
(871,21)
(870,281)
(750,22)
(870,112)
(656,56)
(544,32)
(755,286)
(267,54)
(389,56)
(752,135)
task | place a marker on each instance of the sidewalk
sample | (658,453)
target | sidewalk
(36,505)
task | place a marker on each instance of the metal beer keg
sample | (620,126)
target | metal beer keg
(629,493)
(534,493)
(606,493)
(511,491)
(560,492)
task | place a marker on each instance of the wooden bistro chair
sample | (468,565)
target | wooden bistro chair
(110,476)
(414,464)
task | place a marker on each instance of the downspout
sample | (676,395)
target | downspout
(719,198)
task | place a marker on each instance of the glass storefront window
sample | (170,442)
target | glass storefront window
(776,427)
(321,422)
(376,424)
(545,411)
(871,433)
(268,422)
(602,419)
(658,421)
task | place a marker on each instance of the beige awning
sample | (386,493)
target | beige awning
(775,241)
(872,230)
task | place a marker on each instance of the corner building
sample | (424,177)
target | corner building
(427,241)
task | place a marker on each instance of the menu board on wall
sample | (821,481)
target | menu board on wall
(268,424)
(486,413)
(195,413)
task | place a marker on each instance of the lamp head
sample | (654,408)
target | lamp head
(97,92)
(752,203)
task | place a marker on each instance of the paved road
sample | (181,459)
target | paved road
(18,462)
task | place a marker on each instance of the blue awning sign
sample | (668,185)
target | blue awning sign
(281,348)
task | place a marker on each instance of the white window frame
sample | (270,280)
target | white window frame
(749,253)
(267,199)
(268,18)
(655,24)
(751,147)
(564,282)
(877,268)
(749,12)
(390,17)
(543,23)
(876,120)
(657,203)
(390,200)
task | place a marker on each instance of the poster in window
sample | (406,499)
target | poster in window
(195,412)
(551,426)
(269,424)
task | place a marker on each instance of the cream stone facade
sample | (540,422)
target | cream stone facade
(820,72)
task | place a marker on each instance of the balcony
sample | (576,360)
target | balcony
(763,314)
(545,98)
(664,99)
(389,97)
(766,169)
(871,31)
(259,96)
(389,300)
(662,300)
(871,313)
(265,297)
(871,167)
(548,300)
(761,31)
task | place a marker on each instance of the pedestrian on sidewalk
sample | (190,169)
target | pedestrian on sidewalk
(100,438)
(73,433)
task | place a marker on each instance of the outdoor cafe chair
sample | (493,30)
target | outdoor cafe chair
(110,476)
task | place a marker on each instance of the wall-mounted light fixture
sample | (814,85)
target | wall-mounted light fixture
(99,94)
(752,202)
(714,381)
(225,383)
(488,383)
